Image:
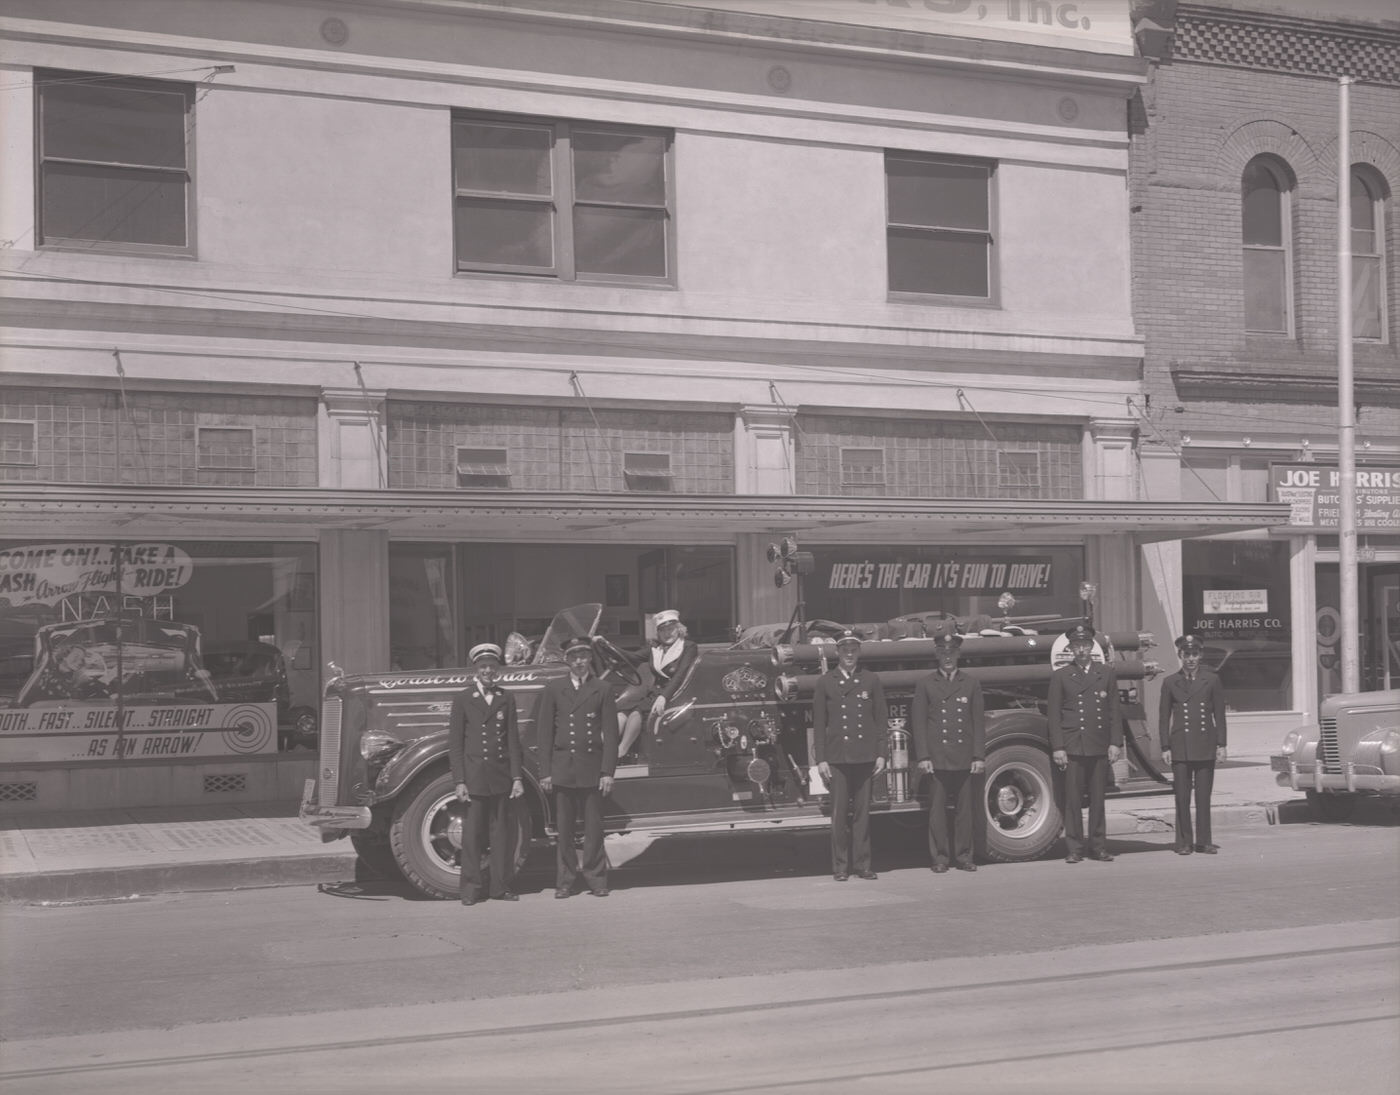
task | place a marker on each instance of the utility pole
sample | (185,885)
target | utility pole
(1346,410)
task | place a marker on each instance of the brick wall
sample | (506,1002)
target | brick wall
(940,459)
(76,438)
(558,449)
(1238,86)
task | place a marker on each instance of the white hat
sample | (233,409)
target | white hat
(485,650)
(666,616)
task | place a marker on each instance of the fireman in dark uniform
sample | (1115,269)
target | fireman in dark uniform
(1191,731)
(1086,736)
(577,723)
(950,743)
(851,723)
(483,747)
(672,655)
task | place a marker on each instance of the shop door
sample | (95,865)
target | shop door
(1380,629)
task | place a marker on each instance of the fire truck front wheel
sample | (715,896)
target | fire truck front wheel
(1020,819)
(426,834)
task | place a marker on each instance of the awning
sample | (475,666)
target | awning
(29,512)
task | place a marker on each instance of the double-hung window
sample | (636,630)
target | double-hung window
(113,163)
(1367,255)
(939,231)
(1267,234)
(565,200)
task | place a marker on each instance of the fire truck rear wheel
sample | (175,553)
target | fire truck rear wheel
(426,834)
(1019,819)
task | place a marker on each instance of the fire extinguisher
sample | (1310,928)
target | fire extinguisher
(899,764)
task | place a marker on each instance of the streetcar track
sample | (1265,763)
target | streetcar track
(559,1026)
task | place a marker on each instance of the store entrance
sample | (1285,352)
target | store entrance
(1378,587)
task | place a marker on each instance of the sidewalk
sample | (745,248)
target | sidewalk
(107,854)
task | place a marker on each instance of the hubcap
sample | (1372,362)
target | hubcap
(441,833)
(1016,801)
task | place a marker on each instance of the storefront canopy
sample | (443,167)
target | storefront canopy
(202,512)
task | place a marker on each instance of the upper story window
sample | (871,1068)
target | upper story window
(18,444)
(1266,221)
(1367,255)
(113,163)
(939,233)
(567,200)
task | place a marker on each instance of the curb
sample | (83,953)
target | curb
(1236,816)
(114,883)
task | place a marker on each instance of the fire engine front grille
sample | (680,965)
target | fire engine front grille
(1329,753)
(328,776)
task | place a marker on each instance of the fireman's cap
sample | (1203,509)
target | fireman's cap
(483,652)
(578,642)
(1080,633)
(1190,644)
(848,638)
(666,616)
(947,640)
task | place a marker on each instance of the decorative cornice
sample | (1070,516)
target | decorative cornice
(1223,381)
(1279,43)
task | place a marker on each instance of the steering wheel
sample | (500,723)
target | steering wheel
(616,661)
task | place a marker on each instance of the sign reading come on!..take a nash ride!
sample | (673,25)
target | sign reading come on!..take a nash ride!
(114,674)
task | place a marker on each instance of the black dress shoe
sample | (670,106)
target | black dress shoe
(1101,857)
(1182,849)
(601,892)
(507,896)
(562,892)
(965,866)
(471,900)
(841,876)
(939,868)
(869,876)
(1206,849)
(1073,857)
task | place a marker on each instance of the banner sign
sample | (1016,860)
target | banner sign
(989,574)
(90,732)
(1314,492)
(49,573)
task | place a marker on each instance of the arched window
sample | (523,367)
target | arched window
(1267,238)
(1367,255)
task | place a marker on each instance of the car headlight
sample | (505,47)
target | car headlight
(1291,742)
(1390,742)
(378,744)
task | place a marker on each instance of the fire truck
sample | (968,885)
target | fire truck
(731,752)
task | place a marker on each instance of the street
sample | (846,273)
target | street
(739,965)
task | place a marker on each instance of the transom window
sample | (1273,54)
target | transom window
(17,443)
(1267,241)
(939,232)
(223,448)
(566,200)
(862,467)
(489,468)
(647,470)
(113,163)
(1367,255)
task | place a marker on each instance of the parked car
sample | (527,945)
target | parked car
(256,672)
(1354,750)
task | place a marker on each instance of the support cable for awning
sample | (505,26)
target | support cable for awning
(587,448)
(1140,414)
(381,462)
(1021,473)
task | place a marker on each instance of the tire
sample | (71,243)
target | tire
(1019,819)
(425,835)
(1332,807)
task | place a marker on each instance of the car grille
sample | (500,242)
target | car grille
(328,778)
(1329,752)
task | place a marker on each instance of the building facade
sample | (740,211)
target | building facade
(354,334)
(1235,236)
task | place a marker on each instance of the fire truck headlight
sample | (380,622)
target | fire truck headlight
(1291,742)
(377,745)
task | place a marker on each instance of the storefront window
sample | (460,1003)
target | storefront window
(420,607)
(123,650)
(1235,596)
(873,584)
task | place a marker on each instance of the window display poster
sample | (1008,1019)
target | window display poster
(870,584)
(139,651)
